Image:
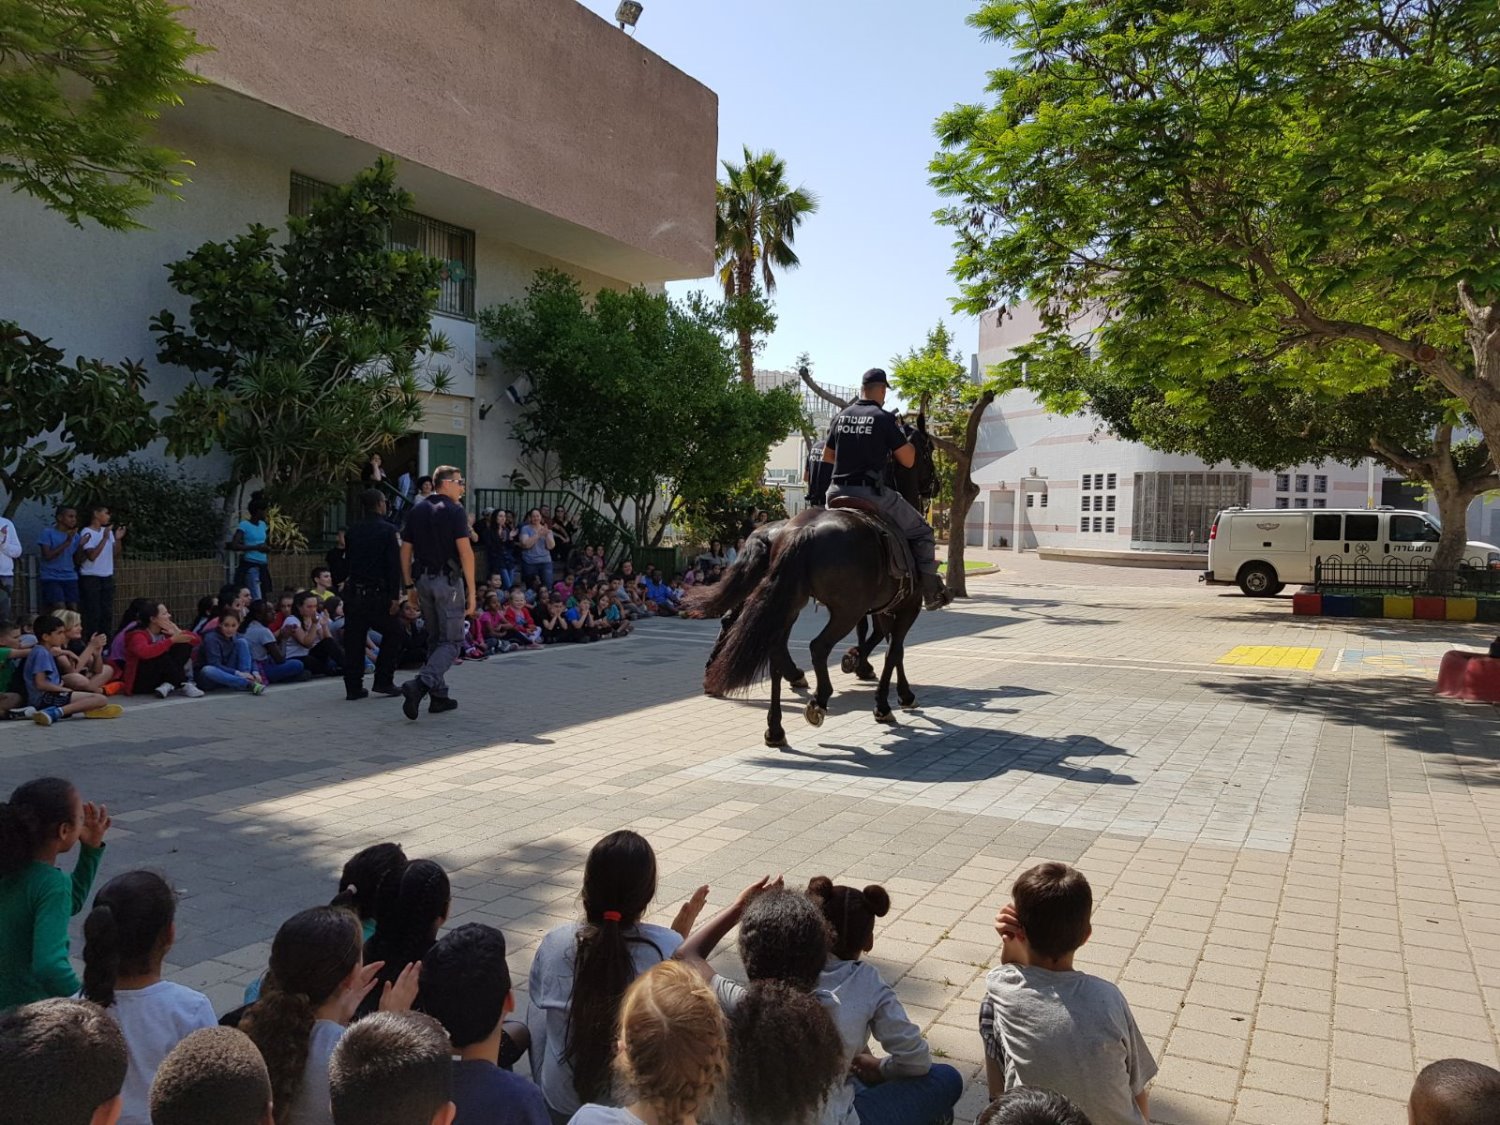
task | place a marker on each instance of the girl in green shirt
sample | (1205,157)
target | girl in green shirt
(42,820)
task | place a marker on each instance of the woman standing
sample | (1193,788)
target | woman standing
(537,543)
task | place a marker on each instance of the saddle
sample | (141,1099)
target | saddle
(900,562)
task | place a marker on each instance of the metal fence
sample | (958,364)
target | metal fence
(1472,577)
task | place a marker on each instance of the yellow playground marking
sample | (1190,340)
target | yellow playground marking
(1272,656)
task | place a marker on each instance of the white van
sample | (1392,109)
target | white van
(1263,550)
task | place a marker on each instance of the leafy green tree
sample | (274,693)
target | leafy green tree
(312,354)
(758,217)
(1409,425)
(636,395)
(169,512)
(53,413)
(936,378)
(1279,195)
(81,82)
(722,515)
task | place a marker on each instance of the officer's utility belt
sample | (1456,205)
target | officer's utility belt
(448,570)
(864,480)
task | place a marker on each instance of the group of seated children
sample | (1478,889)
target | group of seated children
(369,1014)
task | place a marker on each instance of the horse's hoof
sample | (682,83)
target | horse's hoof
(848,664)
(884,717)
(799,684)
(868,675)
(776,740)
(814,714)
(909,704)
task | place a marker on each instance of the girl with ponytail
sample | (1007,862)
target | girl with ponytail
(673,1051)
(904,1086)
(581,971)
(316,981)
(126,937)
(42,820)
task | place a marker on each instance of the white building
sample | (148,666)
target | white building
(532,133)
(1053,480)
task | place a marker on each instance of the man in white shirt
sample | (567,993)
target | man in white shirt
(99,547)
(10,551)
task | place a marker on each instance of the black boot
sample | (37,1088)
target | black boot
(934,595)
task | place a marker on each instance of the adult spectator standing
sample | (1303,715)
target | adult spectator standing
(99,548)
(252,540)
(537,541)
(10,551)
(59,573)
(564,528)
(437,570)
(372,595)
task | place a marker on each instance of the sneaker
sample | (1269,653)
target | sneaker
(506,646)
(438,706)
(257,688)
(163,690)
(191,690)
(109,711)
(115,688)
(18,713)
(46,716)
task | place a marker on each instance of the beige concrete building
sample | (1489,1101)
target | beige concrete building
(531,132)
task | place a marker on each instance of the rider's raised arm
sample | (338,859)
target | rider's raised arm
(906,456)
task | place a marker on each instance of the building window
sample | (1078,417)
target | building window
(1301,482)
(1110,481)
(1031,499)
(1087,482)
(1283,482)
(1320,484)
(1109,503)
(1086,503)
(1044,499)
(1283,502)
(1301,503)
(1109,525)
(1320,503)
(1096,494)
(1179,508)
(452,246)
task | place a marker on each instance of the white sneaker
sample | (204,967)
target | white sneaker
(163,690)
(191,690)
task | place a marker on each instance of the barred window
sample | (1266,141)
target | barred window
(1179,508)
(451,245)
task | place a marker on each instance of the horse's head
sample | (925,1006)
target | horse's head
(917,485)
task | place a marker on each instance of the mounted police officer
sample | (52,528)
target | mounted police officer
(862,437)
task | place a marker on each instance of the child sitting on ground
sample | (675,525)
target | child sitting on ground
(673,1050)
(905,1083)
(126,936)
(227,662)
(45,691)
(491,625)
(1046,1024)
(42,820)
(81,662)
(61,1061)
(524,628)
(392,1069)
(1028,1105)
(466,987)
(215,1074)
(316,981)
(13,656)
(407,922)
(1455,1092)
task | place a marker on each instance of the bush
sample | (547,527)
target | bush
(723,516)
(169,514)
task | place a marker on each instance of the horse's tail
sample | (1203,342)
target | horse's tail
(731,590)
(767,615)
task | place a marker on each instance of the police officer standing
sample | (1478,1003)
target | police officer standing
(437,569)
(862,437)
(372,595)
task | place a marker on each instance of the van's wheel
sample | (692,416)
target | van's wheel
(1257,580)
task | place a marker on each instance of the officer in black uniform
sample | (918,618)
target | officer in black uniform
(437,565)
(372,558)
(860,440)
(817,475)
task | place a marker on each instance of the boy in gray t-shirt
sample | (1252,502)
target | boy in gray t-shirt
(1046,1024)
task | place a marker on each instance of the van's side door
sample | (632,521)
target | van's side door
(1410,539)
(1328,536)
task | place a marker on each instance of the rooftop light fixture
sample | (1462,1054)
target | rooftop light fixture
(628,12)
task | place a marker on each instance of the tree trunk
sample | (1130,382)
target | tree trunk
(744,283)
(1453,500)
(964,493)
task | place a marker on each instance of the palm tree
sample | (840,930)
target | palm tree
(757,223)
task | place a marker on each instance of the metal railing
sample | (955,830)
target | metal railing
(1472,576)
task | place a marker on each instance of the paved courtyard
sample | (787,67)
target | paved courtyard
(1295,850)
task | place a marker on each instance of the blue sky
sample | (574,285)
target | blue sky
(847,92)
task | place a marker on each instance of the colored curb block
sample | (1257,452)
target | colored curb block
(1430,609)
(1340,605)
(1462,609)
(1307,605)
(1489,610)
(1399,606)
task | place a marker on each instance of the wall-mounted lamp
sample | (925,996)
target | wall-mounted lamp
(484,410)
(628,12)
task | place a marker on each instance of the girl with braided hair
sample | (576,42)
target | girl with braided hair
(904,1087)
(673,1051)
(316,981)
(407,923)
(126,937)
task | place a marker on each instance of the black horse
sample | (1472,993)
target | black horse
(839,557)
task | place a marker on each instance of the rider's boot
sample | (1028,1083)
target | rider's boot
(934,595)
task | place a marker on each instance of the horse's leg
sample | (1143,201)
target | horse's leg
(775,732)
(854,657)
(725,624)
(895,660)
(863,668)
(795,677)
(840,621)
